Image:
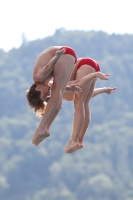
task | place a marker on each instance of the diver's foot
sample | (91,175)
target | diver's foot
(71,146)
(38,136)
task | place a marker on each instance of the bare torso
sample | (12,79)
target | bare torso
(44,58)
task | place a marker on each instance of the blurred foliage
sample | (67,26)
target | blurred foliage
(103,169)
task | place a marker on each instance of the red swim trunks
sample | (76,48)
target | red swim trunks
(89,61)
(70,51)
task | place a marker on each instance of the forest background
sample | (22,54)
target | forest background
(103,169)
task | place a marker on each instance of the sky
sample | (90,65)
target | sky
(37,19)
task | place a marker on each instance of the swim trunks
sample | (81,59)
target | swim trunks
(70,51)
(89,61)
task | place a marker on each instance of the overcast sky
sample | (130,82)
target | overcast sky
(40,18)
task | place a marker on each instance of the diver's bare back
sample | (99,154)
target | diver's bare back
(44,58)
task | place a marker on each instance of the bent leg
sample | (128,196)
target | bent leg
(79,113)
(62,72)
(82,106)
(87,115)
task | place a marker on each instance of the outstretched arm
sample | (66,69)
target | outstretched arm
(75,86)
(46,70)
(107,90)
(91,76)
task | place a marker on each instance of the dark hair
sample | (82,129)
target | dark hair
(34,101)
